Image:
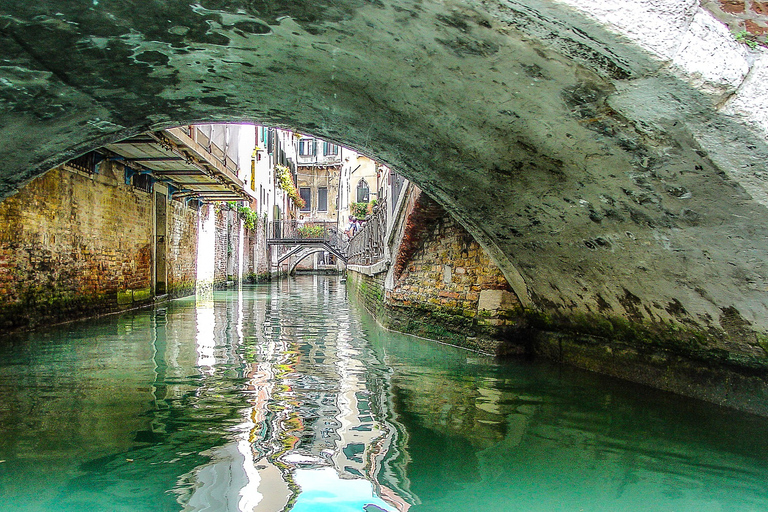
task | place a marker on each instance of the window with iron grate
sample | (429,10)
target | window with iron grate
(142,182)
(85,163)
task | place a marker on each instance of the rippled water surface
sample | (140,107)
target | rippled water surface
(286,396)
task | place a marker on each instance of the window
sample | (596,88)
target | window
(330,149)
(306,195)
(306,147)
(322,199)
(362,191)
(142,182)
(87,163)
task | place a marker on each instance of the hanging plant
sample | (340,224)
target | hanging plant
(311,231)
(358,210)
(285,182)
(249,216)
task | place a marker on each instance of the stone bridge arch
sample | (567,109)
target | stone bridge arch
(610,156)
(302,255)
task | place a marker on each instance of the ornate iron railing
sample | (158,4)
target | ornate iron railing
(367,245)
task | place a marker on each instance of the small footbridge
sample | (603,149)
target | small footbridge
(297,238)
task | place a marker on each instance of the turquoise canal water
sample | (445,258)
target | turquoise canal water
(287,396)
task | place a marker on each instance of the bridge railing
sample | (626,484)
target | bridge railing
(289,233)
(321,231)
(367,246)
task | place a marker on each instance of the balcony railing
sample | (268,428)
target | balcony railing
(367,246)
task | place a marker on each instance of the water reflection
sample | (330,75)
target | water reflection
(308,438)
(288,397)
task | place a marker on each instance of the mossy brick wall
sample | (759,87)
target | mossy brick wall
(249,241)
(73,244)
(182,249)
(261,264)
(227,248)
(741,15)
(225,244)
(255,262)
(446,287)
(370,291)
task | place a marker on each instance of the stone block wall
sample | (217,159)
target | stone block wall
(73,244)
(446,286)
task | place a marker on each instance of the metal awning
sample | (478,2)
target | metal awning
(173,157)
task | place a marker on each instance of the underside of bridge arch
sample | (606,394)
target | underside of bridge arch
(301,256)
(604,156)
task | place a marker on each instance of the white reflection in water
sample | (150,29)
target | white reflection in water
(206,324)
(217,485)
(240,247)
(206,251)
(242,475)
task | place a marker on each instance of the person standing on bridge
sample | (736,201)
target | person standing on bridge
(350,231)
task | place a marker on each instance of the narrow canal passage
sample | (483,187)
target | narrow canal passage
(287,396)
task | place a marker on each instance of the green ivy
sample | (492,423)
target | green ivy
(285,182)
(249,216)
(746,38)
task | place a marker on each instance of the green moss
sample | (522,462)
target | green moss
(124,297)
(38,306)
(182,289)
(142,294)
(261,277)
(762,340)
(643,337)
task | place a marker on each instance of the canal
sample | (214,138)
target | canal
(288,396)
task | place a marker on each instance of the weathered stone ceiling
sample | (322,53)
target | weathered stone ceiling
(609,154)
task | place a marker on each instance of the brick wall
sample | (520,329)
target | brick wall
(182,249)
(445,286)
(750,16)
(260,251)
(224,245)
(227,248)
(73,244)
(249,239)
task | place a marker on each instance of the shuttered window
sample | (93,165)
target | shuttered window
(322,199)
